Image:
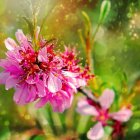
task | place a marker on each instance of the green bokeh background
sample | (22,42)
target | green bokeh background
(116,56)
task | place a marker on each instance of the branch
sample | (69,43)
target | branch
(88,94)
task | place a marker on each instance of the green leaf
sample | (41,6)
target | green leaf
(82,124)
(62,118)
(30,25)
(85,15)
(49,115)
(104,11)
(87,24)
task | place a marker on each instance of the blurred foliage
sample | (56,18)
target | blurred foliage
(116,63)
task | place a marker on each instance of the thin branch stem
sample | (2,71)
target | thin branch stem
(88,94)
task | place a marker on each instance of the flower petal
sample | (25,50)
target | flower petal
(3,77)
(80,82)
(72,87)
(17,95)
(4,63)
(32,79)
(60,101)
(77,82)
(96,132)
(86,109)
(20,36)
(41,89)
(10,44)
(21,95)
(54,83)
(123,115)
(10,82)
(106,98)
(32,93)
(69,74)
(41,102)
(42,55)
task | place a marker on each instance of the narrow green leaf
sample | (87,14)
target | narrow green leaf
(86,17)
(81,38)
(104,11)
(88,23)
(30,25)
(82,124)
(62,118)
(49,117)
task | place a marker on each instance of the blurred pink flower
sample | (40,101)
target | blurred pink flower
(41,73)
(100,111)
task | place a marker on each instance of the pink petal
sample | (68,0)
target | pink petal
(21,37)
(96,132)
(123,115)
(41,89)
(85,108)
(64,93)
(72,87)
(77,82)
(54,83)
(107,98)
(60,102)
(10,44)
(25,94)
(32,93)
(17,95)
(80,82)
(68,98)
(14,55)
(58,105)
(42,55)
(57,60)
(11,82)
(42,102)
(3,77)
(4,63)
(21,95)
(69,74)
(32,79)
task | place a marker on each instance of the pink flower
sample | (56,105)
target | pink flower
(75,74)
(100,111)
(42,73)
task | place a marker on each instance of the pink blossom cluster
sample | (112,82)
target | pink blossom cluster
(102,115)
(41,74)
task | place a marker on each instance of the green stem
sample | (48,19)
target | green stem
(51,121)
(95,33)
(88,41)
(89,52)
(81,38)
(62,120)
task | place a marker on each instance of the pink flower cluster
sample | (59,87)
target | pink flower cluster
(100,111)
(42,74)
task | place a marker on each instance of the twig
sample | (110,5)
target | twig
(88,94)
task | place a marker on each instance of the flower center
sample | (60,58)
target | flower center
(103,117)
(29,63)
